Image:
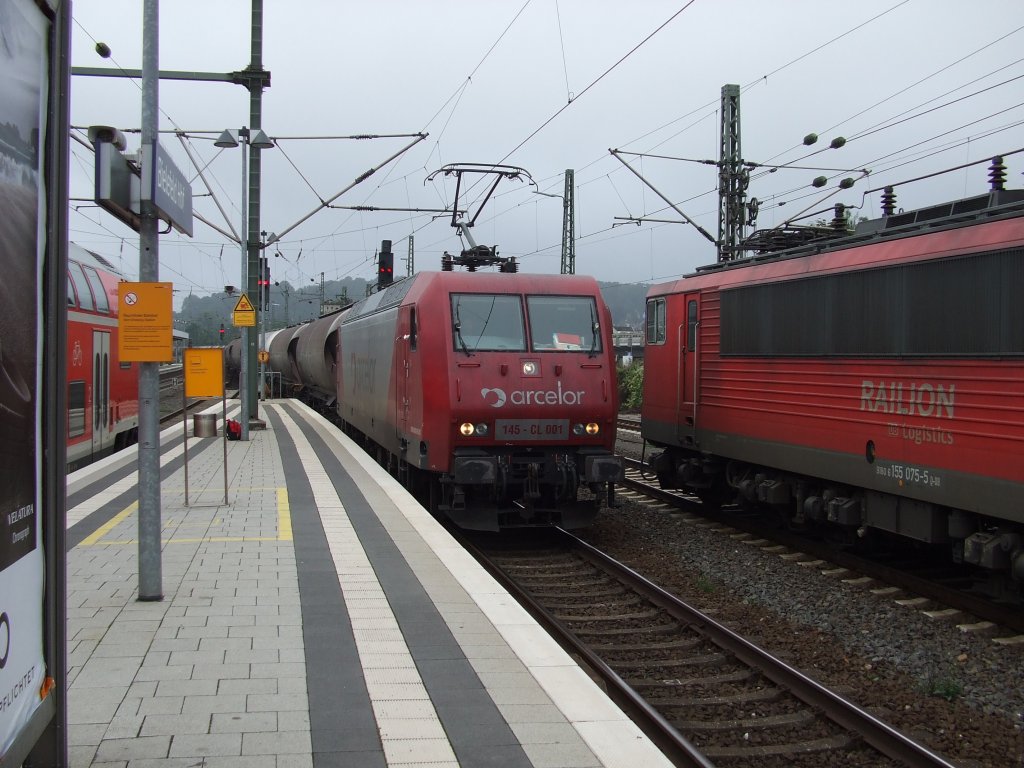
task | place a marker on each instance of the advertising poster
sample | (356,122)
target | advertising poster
(23,89)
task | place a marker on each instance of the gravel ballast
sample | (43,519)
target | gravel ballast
(959,693)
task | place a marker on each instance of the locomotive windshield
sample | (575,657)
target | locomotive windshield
(484,321)
(489,322)
(567,323)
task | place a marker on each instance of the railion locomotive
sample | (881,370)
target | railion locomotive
(492,396)
(874,381)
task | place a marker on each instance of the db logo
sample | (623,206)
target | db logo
(499,394)
(5,639)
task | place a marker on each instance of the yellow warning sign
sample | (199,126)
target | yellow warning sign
(244,313)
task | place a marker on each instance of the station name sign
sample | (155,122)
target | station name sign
(167,188)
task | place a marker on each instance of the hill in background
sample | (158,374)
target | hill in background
(202,317)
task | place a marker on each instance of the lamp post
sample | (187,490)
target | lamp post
(257,140)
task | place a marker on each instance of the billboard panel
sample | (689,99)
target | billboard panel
(23,108)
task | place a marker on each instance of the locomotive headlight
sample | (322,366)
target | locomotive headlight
(578,429)
(481,430)
(529,368)
(593,428)
(466,429)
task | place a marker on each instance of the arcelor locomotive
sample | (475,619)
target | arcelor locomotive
(492,395)
(874,381)
(103,393)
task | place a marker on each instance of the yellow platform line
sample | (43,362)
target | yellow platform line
(104,529)
(284,515)
(284,527)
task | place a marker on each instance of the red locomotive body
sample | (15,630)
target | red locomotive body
(493,395)
(873,382)
(102,393)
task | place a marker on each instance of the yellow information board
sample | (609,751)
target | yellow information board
(244,313)
(145,320)
(204,372)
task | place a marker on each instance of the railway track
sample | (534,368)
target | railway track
(706,695)
(941,590)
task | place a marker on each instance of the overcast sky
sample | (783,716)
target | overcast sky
(915,86)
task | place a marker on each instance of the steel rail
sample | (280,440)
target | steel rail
(878,734)
(672,743)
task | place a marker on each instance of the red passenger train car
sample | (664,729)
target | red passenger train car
(102,393)
(873,382)
(492,395)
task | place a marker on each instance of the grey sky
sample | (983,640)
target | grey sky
(399,66)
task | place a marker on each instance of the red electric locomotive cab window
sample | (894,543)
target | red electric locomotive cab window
(487,322)
(97,289)
(563,323)
(81,286)
(656,321)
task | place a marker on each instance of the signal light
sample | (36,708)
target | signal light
(385,265)
(264,283)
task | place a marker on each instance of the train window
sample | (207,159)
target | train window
(484,321)
(71,292)
(76,408)
(964,307)
(691,325)
(412,328)
(97,289)
(81,286)
(564,323)
(656,321)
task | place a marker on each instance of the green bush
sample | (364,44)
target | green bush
(631,386)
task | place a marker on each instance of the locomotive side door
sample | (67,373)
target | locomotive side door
(406,342)
(100,390)
(689,362)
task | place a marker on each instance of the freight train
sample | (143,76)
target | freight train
(870,384)
(490,395)
(102,392)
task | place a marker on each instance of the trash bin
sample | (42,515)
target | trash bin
(204,425)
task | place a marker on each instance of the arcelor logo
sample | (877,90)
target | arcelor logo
(533,396)
(498,393)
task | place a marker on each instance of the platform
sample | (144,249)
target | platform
(319,618)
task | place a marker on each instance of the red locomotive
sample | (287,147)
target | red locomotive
(103,393)
(874,381)
(492,395)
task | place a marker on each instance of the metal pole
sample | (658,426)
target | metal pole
(150,576)
(255,176)
(243,374)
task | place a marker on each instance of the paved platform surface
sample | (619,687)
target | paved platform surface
(318,617)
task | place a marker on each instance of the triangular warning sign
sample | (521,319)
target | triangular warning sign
(244,305)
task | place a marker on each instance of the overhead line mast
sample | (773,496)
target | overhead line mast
(733,178)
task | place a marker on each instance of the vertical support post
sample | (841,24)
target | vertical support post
(150,568)
(569,225)
(732,180)
(224,437)
(245,375)
(184,433)
(257,79)
(410,262)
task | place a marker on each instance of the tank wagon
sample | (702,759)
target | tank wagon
(873,383)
